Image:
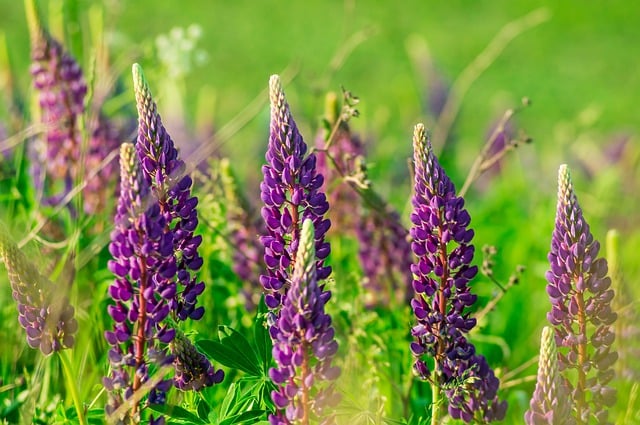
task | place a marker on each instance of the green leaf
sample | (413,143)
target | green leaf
(245,417)
(233,350)
(176,413)
(262,338)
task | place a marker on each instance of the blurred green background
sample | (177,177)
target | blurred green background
(580,68)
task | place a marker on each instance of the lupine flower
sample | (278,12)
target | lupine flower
(58,79)
(383,246)
(442,243)
(304,343)
(244,225)
(549,404)
(56,159)
(45,315)
(161,172)
(580,294)
(290,192)
(142,295)
(154,252)
(99,189)
(385,255)
(627,327)
(193,370)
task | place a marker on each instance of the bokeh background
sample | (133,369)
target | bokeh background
(577,62)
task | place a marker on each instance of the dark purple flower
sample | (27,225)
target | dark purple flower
(442,243)
(304,343)
(154,254)
(580,294)
(291,193)
(193,370)
(44,313)
(549,404)
(162,172)
(140,293)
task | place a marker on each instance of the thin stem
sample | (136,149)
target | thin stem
(435,395)
(476,168)
(140,338)
(305,390)
(471,73)
(66,367)
(583,358)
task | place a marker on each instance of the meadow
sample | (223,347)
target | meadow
(507,93)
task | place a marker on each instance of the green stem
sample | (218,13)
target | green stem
(71,387)
(435,400)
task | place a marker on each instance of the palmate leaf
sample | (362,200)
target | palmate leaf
(176,414)
(233,350)
(261,337)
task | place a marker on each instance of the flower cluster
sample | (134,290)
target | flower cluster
(59,160)
(45,315)
(193,370)
(386,257)
(442,243)
(154,252)
(549,404)
(304,343)
(290,192)
(383,246)
(580,294)
(162,173)
(244,225)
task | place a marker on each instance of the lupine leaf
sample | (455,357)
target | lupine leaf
(176,413)
(262,338)
(233,350)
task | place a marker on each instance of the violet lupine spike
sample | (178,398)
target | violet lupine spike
(162,172)
(549,404)
(46,316)
(244,225)
(141,294)
(56,160)
(580,294)
(291,193)
(193,370)
(304,344)
(442,243)
(105,138)
(384,251)
(61,88)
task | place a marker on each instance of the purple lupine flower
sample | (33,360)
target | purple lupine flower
(383,246)
(549,404)
(162,173)
(304,344)
(193,370)
(580,294)
(290,192)
(56,159)
(442,243)
(45,314)
(244,226)
(58,79)
(141,293)
(385,255)
(105,138)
